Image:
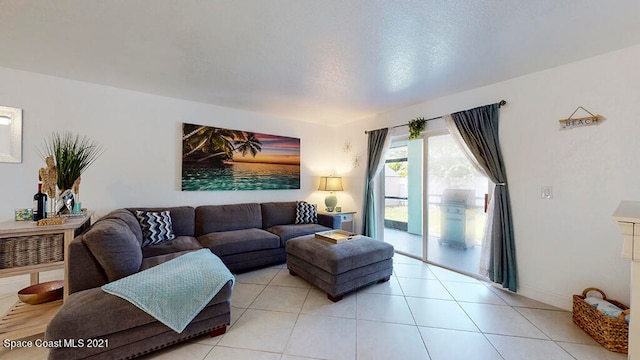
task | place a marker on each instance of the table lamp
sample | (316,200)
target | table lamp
(331,184)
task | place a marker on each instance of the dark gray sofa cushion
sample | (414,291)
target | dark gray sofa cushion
(239,241)
(238,263)
(85,272)
(278,213)
(115,247)
(182,218)
(128,218)
(286,232)
(180,243)
(217,218)
(152,261)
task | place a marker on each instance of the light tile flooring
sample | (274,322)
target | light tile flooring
(465,260)
(423,312)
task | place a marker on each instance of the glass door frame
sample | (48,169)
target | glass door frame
(425,191)
(425,196)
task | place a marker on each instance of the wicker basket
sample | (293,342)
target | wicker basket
(31,250)
(612,333)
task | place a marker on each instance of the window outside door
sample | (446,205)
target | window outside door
(403,196)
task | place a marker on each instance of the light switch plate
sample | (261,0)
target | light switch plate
(546,192)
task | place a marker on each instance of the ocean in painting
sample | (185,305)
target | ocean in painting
(241,176)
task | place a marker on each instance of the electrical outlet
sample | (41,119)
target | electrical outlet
(546,192)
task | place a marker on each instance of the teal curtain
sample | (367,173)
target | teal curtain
(479,129)
(375,149)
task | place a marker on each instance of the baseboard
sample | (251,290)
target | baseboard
(558,300)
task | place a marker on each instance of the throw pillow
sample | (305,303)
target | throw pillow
(306,213)
(156,227)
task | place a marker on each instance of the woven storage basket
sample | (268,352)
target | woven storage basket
(31,250)
(612,333)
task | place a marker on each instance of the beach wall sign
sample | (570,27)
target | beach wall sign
(572,123)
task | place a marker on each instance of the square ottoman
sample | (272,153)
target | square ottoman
(339,268)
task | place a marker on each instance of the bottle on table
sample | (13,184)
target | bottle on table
(39,204)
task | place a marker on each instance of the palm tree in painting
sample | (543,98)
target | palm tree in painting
(202,143)
(248,144)
(216,145)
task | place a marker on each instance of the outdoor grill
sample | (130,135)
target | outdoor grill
(457,216)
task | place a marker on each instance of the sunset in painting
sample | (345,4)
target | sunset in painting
(275,150)
(224,159)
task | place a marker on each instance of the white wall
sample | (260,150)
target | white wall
(142,133)
(570,242)
(563,245)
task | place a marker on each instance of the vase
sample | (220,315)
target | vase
(65,202)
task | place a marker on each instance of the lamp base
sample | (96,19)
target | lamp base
(330,202)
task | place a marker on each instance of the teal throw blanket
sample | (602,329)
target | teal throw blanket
(176,291)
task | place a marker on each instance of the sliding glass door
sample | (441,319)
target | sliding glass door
(434,202)
(455,206)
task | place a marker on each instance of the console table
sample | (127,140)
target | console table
(627,215)
(23,319)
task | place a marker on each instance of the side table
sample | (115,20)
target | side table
(23,319)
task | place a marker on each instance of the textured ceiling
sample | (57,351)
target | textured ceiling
(329,61)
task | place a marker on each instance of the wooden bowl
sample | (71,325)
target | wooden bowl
(42,293)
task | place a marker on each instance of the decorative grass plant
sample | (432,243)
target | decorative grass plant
(73,155)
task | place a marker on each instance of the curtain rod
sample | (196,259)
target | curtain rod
(500,104)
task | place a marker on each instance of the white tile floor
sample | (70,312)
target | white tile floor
(423,312)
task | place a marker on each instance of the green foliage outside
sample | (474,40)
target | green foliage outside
(400,168)
(448,169)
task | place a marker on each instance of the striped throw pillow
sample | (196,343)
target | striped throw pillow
(306,213)
(156,227)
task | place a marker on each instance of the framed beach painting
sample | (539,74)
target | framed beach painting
(216,159)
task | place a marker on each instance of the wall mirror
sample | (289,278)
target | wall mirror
(10,134)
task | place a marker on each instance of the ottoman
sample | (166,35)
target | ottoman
(339,268)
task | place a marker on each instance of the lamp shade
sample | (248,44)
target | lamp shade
(330,183)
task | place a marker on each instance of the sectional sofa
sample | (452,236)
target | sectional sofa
(243,236)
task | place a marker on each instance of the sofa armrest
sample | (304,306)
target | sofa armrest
(331,221)
(84,270)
